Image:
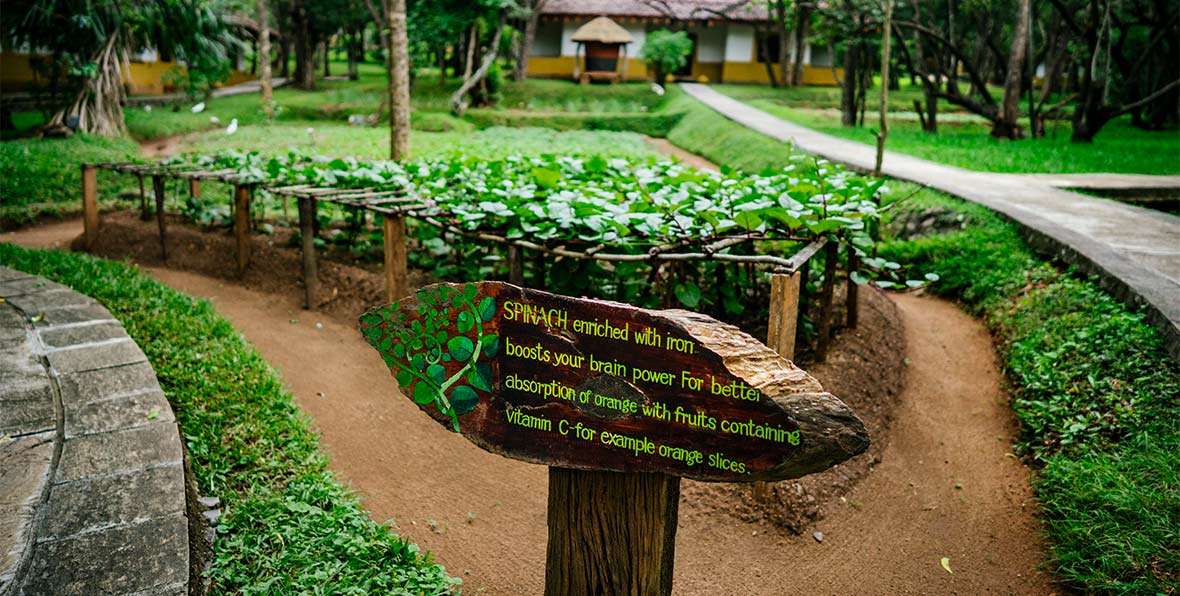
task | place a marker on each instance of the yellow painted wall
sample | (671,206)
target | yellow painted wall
(710,71)
(16,72)
(562,67)
(755,72)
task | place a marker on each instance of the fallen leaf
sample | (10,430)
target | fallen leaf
(946,564)
(155,413)
(37,318)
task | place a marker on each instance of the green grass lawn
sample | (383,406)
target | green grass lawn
(43,176)
(964,140)
(289,527)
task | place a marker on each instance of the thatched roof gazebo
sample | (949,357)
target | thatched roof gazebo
(599,42)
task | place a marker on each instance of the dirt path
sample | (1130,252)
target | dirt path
(946,486)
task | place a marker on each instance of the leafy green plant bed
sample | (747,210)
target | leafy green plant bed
(289,527)
(1097,396)
(619,208)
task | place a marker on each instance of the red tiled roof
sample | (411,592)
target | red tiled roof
(681,10)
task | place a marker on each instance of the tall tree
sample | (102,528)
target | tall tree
(264,58)
(886,38)
(531,16)
(399,81)
(1006,125)
(1128,51)
(95,39)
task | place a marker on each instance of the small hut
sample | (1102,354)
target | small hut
(599,42)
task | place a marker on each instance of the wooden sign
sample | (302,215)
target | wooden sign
(595,385)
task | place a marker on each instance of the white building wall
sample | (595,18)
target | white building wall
(638,35)
(711,42)
(568,46)
(739,43)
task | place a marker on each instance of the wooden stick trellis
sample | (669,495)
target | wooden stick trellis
(788,284)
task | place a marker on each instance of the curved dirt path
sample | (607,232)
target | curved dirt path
(946,487)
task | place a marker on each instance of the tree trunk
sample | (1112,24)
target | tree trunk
(766,60)
(886,39)
(326,44)
(520,71)
(784,67)
(1006,125)
(850,84)
(264,62)
(399,81)
(610,533)
(304,50)
(353,54)
(802,31)
(457,104)
(285,58)
(442,66)
(98,106)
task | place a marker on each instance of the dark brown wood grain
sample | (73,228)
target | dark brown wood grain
(812,429)
(610,533)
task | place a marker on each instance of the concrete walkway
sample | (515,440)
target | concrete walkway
(1134,251)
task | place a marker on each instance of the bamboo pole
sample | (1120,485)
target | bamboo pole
(158,189)
(307,214)
(396,280)
(242,225)
(90,205)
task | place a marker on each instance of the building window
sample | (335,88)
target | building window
(767,42)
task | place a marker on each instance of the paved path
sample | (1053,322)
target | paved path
(92,494)
(1135,251)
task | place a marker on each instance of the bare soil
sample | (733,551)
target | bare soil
(942,481)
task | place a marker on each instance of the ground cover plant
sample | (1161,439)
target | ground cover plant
(289,527)
(1097,397)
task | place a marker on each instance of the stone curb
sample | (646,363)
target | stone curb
(92,488)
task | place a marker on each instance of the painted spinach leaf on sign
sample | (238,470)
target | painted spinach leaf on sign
(437,358)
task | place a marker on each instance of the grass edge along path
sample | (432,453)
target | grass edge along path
(1097,397)
(288,525)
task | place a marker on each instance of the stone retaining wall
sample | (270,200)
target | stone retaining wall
(92,495)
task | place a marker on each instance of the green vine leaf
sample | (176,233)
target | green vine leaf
(424,393)
(487,309)
(461,347)
(463,399)
(480,377)
(491,345)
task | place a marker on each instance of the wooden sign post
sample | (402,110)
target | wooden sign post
(620,402)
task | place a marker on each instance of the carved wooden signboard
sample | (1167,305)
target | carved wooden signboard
(594,385)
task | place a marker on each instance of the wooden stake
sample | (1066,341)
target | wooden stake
(90,205)
(194,188)
(158,188)
(397,284)
(143,205)
(853,289)
(307,214)
(515,266)
(241,224)
(825,316)
(610,533)
(784,321)
(784,313)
